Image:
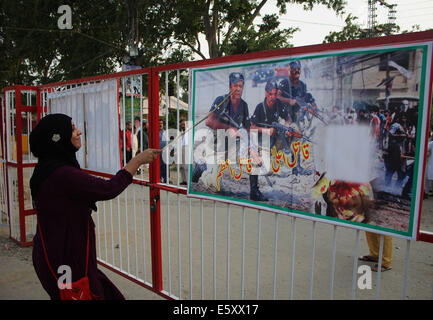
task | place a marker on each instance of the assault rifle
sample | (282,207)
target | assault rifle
(305,107)
(244,137)
(282,129)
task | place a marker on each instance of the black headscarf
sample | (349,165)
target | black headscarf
(50,142)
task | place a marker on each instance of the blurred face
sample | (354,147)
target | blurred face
(129,126)
(182,125)
(161,125)
(76,139)
(271,96)
(238,87)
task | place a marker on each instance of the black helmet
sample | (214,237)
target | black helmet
(235,77)
(271,85)
(295,64)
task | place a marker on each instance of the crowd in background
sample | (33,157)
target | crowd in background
(134,139)
(137,139)
(394,131)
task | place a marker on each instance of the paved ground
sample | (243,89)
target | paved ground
(18,280)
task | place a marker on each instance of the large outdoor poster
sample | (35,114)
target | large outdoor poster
(337,137)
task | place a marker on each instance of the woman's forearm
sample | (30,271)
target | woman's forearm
(147,156)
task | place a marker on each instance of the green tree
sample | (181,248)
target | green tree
(352,30)
(33,50)
(229,25)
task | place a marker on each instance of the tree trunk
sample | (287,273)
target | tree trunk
(211,27)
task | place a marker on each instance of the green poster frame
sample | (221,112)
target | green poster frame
(421,131)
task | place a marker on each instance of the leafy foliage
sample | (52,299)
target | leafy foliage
(230,25)
(352,30)
(37,51)
(34,51)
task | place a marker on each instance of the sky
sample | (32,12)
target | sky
(316,24)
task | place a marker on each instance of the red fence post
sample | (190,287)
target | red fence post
(154,195)
(5,143)
(38,109)
(19,149)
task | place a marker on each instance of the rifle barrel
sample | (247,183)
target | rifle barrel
(204,118)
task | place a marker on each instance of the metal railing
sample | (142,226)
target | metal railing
(187,248)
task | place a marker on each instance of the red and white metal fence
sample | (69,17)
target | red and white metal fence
(186,248)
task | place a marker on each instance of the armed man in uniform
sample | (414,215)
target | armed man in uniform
(232,116)
(266,113)
(292,92)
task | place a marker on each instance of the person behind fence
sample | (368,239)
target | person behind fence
(134,138)
(142,140)
(142,137)
(183,166)
(127,148)
(373,242)
(162,160)
(64,197)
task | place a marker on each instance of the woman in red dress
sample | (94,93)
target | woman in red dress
(64,197)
